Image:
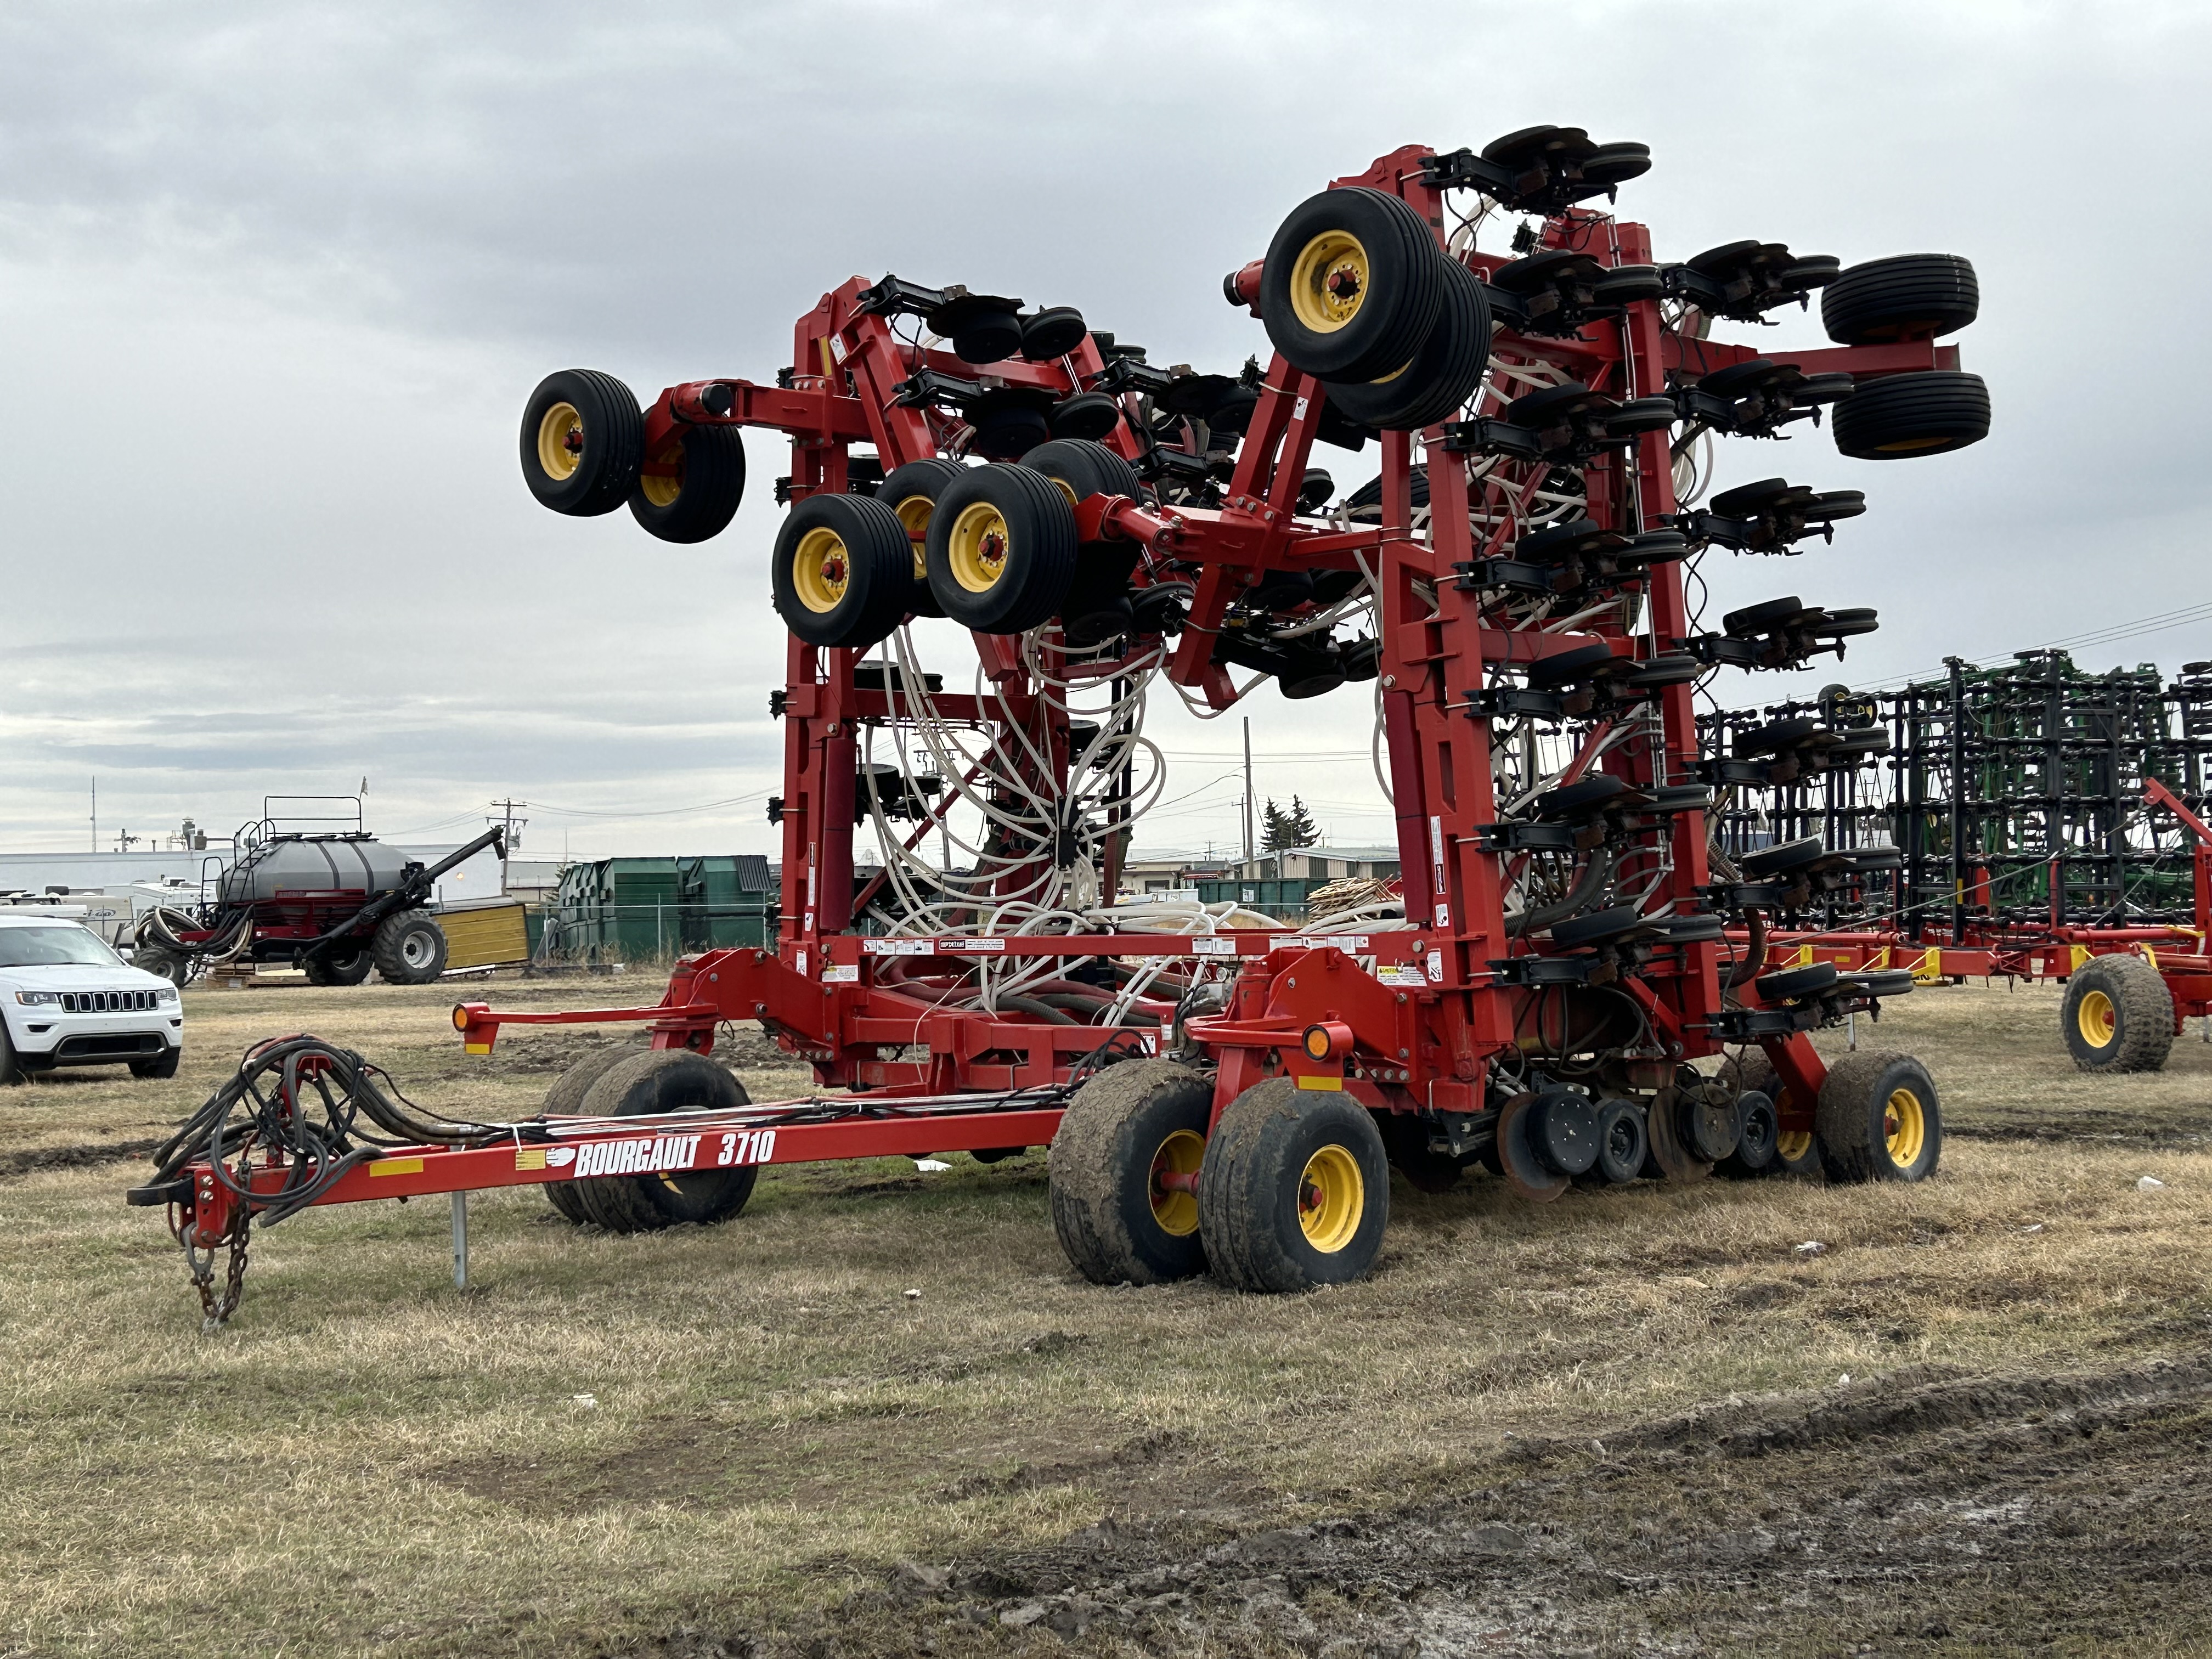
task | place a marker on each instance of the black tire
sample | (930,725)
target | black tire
(164,1067)
(1405,1144)
(843,570)
(1796,1153)
(703,497)
(338,968)
(11,1069)
(1083,468)
(1930,413)
(1444,372)
(1295,1192)
(1002,548)
(409,948)
(1753,1156)
(1123,1126)
(1912,296)
(911,492)
(657,1081)
(168,964)
(1386,253)
(2118,1015)
(583,437)
(566,1099)
(1880,1119)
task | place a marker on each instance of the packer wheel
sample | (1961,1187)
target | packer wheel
(1121,1165)
(1796,1152)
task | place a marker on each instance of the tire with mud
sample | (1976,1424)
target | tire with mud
(566,1099)
(1127,1126)
(1796,1152)
(1295,1191)
(656,1082)
(2118,1015)
(409,948)
(1880,1119)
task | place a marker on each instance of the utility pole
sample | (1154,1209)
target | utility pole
(513,838)
(96,815)
(1248,789)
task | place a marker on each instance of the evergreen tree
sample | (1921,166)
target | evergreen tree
(1282,829)
(1303,831)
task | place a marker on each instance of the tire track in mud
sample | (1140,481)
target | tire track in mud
(1925,1510)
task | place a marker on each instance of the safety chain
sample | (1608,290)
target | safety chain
(216,1312)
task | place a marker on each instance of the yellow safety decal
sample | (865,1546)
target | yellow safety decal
(389,1166)
(1323,1083)
(530,1157)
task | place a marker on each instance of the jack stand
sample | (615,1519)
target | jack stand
(460,1240)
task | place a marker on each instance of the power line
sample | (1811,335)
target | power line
(2158,622)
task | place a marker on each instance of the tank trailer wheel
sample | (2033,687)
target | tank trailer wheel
(566,1099)
(1295,1191)
(175,969)
(656,1081)
(701,496)
(1930,413)
(1002,548)
(2118,1015)
(340,968)
(911,492)
(1123,1166)
(843,570)
(409,948)
(1352,285)
(1444,373)
(583,437)
(1880,1119)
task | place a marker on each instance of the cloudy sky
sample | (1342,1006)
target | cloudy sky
(275,279)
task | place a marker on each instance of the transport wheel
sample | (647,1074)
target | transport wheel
(2118,1015)
(1002,548)
(1880,1119)
(409,948)
(1796,1152)
(165,1066)
(340,967)
(1931,413)
(1295,1191)
(1405,1144)
(1083,468)
(1352,286)
(566,1099)
(701,497)
(650,1084)
(583,437)
(168,964)
(1126,1129)
(843,570)
(912,491)
(1444,373)
(1754,1156)
(1913,296)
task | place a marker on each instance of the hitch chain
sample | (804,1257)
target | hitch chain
(216,1312)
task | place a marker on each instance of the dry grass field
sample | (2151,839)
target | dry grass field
(1977,1419)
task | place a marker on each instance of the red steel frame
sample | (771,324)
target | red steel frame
(1420,1033)
(2051,950)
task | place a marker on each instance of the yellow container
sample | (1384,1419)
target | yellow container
(487,932)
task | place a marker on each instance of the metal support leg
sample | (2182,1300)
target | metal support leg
(460,1240)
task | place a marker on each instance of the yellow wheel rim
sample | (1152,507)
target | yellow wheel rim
(662,491)
(978,547)
(1905,446)
(914,512)
(1064,488)
(1329,282)
(1792,1145)
(561,441)
(1332,1199)
(2096,1019)
(1176,1211)
(821,570)
(1904,1128)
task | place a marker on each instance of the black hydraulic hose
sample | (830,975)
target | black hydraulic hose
(1755,952)
(1587,891)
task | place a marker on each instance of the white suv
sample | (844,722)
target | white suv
(67,1000)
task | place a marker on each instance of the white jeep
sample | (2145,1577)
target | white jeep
(67,1000)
